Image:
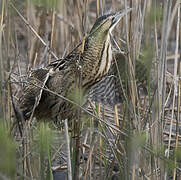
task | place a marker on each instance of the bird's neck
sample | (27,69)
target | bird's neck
(97,60)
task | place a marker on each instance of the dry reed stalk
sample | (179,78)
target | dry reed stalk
(175,84)
(98,7)
(178,117)
(161,74)
(100,141)
(177,74)
(89,160)
(116,116)
(33,31)
(104,131)
(156,130)
(130,41)
(69,164)
(162,63)
(52,33)
(2,78)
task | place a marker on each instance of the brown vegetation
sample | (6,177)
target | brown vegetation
(138,138)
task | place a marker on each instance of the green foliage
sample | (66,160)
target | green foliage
(156,13)
(158,150)
(146,60)
(178,154)
(169,164)
(138,141)
(147,55)
(45,139)
(7,153)
(77,96)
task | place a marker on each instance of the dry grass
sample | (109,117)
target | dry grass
(139,139)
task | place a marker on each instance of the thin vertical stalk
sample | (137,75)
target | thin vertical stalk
(98,8)
(78,123)
(52,33)
(100,142)
(177,84)
(162,63)
(162,70)
(68,151)
(2,96)
(116,115)
(177,128)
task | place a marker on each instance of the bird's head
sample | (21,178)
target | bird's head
(105,24)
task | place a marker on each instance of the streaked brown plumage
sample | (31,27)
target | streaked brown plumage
(109,90)
(63,76)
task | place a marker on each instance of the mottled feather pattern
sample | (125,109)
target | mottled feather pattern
(32,91)
(109,91)
(56,106)
(92,65)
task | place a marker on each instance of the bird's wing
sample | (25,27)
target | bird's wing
(31,93)
(70,58)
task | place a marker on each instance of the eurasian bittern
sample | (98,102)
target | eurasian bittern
(84,66)
(114,87)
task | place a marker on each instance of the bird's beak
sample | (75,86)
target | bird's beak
(119,15)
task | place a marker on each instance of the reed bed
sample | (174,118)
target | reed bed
(136,139)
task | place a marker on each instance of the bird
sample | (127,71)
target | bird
(112,89)
(82,68)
